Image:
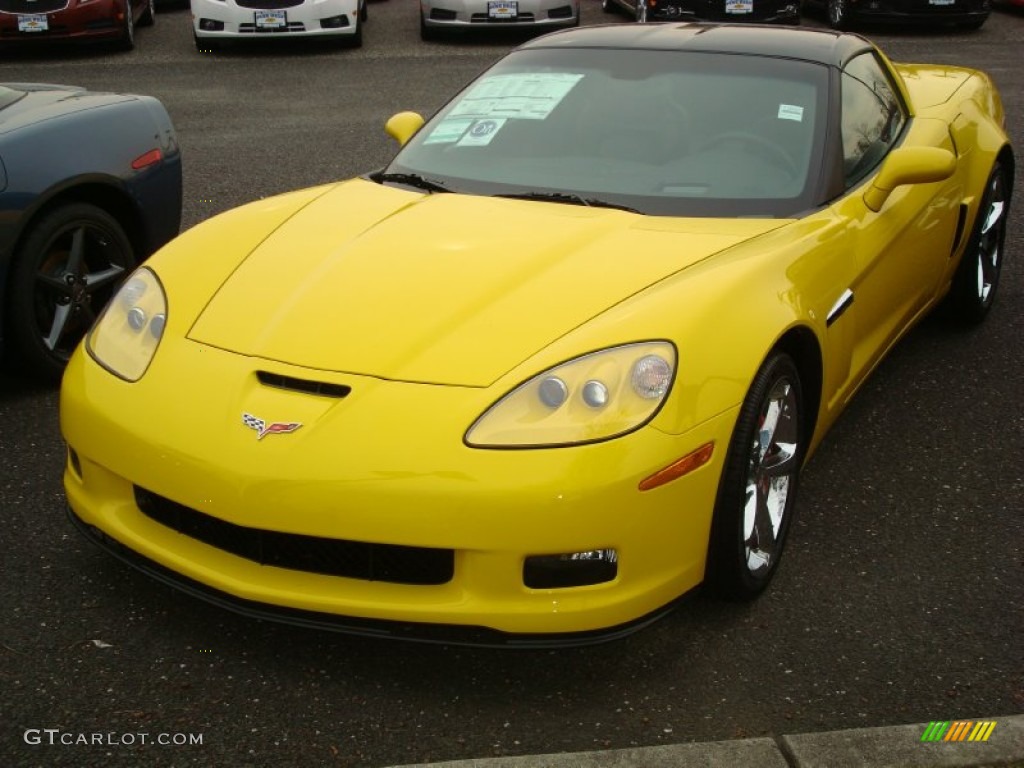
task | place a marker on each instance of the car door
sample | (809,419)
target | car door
(897,253)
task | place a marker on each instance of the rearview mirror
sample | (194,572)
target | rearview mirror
(909,165)
(403,126)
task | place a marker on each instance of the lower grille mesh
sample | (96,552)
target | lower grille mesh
(297,552)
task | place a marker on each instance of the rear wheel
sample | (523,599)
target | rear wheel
(757,491)
(977,277)
(65,271)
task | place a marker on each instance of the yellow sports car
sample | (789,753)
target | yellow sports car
(562,359)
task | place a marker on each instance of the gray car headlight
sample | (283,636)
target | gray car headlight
(595,397)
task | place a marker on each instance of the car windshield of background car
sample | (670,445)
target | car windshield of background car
(663,132)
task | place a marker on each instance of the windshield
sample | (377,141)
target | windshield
(662,132)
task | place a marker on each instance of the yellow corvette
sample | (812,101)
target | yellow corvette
(562,359)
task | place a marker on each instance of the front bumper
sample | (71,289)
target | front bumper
(466,14)
(81,23)
(243,19)
(385,466)
(757,12)
(921,12)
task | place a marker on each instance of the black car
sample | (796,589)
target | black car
(843,14)
(90,185)
(759,11)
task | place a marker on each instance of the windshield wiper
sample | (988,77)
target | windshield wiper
(568,197)
(411,180)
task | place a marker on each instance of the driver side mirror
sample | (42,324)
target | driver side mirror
(909,165)
(403,126)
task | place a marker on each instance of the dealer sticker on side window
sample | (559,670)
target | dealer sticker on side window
(791,112)
(33,22)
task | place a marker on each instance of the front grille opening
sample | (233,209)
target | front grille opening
(302,385)
(312,554)
(576,569)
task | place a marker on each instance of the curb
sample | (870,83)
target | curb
(897,746)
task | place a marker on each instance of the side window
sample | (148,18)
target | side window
(873,116)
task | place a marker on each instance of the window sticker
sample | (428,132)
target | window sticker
(482,133)
(448,131)
(526,96)
(791,112)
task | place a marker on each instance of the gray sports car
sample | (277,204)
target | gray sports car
(90,185)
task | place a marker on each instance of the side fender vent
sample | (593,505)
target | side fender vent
(961,219)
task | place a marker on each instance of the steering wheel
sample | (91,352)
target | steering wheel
(771,151)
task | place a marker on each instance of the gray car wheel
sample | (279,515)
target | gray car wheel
(66,269)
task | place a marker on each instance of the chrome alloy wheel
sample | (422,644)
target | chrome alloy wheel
(641,11)
(773,465)
(990,238)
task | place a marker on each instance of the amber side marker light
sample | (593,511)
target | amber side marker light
(150,158)
(677,469)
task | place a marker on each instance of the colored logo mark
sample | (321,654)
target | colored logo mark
(263,428)
(959,730)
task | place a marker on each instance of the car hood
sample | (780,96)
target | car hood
(29,104)
(445,288)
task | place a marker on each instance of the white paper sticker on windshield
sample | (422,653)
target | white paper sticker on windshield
(448,131)
(525,96)
(791,112)
(482,133)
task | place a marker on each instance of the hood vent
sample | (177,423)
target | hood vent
(323,388)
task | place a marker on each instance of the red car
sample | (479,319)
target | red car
(113,20)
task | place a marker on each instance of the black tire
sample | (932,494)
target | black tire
(127,41)
(67,267)
(977,277)
(838,14)
(148,16)
(427,34)
(608,6)
(364,14)
(746,539)
(355,40)
(974,24)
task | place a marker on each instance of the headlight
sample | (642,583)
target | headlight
(595,397)
(128,332)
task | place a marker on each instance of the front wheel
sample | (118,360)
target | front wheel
(127,41)
(977,276)
(838,14)
(757,490)
(65,271)
(148,16)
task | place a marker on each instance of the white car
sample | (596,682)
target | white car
(438,15)
(214,21)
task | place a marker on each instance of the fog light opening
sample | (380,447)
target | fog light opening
(571,569)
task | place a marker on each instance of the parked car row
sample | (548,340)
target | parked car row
(216,21)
